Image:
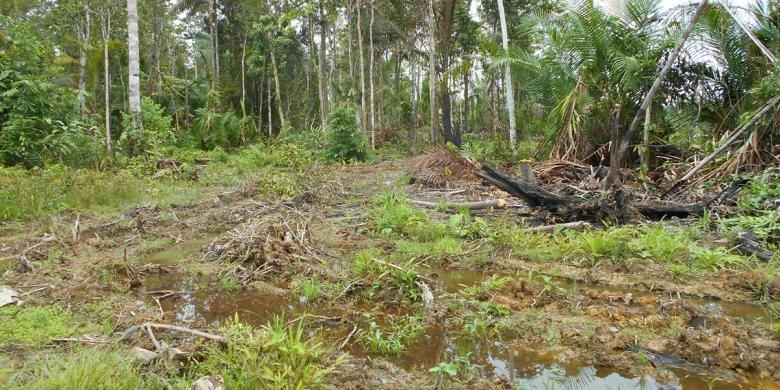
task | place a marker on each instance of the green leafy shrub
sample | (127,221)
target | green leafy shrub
(157,131)
(34,111)
(345,142)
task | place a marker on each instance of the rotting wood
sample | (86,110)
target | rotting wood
(749,244)
(479,205)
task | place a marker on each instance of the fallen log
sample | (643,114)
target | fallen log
(529,192)
(749,245)
(484,204)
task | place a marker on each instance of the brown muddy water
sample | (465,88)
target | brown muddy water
(490,357)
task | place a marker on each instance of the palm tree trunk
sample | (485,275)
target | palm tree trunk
(362,75)
(510,96)
(134,79)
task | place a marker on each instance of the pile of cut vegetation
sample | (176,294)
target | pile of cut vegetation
(261,247)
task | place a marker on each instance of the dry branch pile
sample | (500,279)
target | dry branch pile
(259,248)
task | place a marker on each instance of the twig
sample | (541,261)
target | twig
(37,289)
(162,312)
(306,315)
(85,340)
(349,336)
(391,265)
(132,330)
(156,343)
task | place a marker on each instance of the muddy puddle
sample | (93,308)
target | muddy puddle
(178,252)
(487,357)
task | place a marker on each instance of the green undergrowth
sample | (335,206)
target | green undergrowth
(677,247)
(392,215)
(280,169)
(757,211)
(84,368)
(33,326)
(276,356)
(394,337)
(375,266)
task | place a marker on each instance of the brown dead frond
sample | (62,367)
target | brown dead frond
(442,167)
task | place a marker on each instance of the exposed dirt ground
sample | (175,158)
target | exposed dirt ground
(610,324)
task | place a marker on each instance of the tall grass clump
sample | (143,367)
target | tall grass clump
(276,357)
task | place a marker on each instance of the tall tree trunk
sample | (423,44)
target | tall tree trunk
(510,95)
(493,107)
(243,77)
(270,113)
(321,76)
(134,79)
(362,74)
(214,44)
(105,28)
(466,98)
(432,71)
(451,134)
(84,33)
(413,98)
(243,90)
(398,108)
(371,72)
(278,90)
(349,44)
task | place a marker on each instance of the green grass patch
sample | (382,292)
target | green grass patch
(394,338)
(444,246)
(33,326)
(84,369)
